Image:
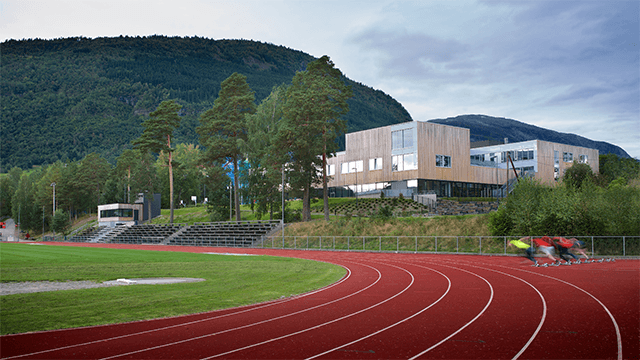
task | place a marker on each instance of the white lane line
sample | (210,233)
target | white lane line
(468,323)
(397,323)
(271,303)
(320,325)
(249,325)
(613,320)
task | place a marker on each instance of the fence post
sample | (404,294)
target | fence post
(624,247)
(416,250)
(380,243)
(348,245)
(307,242)
(397,243)
(592,247)
(436,244)
(480,241)
(320,242)
(363,244)
(457,244)
(504,243)
(334,243)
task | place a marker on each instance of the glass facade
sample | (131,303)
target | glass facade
(120,213)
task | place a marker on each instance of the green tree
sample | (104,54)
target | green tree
(614,167)
(265,177)
(125,166)
(6,192)
(92,174)
(316,101)
(60,222)
(25,210)
(577,174)
(187,171)
(223,128)
(156,137)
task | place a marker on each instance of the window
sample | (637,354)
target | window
(375,164)
(331,170)
(584,159)
(351,167)
(567,157)
(404,162)
(512,154)
(443,161)
(402,139)
(128,213)
(412,183)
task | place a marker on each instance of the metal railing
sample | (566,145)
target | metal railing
(598,246)
(480,245)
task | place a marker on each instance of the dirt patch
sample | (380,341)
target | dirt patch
(42,286)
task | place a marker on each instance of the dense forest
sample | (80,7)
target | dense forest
(66,98)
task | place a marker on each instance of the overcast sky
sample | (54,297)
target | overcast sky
(569,66)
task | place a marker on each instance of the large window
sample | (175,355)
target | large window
(404,162)
(584,159)
(567,157)
(123,213)
(375,164)
(351,167)
(443,161)
(331,169)
(402,139)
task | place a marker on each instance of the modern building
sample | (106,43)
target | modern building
(145,208)
(423,157)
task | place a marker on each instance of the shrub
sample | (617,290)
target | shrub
(60,222)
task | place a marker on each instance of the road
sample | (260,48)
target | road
(9,233)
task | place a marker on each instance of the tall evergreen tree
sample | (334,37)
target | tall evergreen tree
(316,101)
(223,128)
(265,159)
(156,137)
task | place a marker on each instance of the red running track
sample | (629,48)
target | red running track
(388,306)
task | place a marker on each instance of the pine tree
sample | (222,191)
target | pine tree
(316,101)
(156,137)
(223,128)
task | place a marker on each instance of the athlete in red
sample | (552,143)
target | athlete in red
(545,245)
(563,246)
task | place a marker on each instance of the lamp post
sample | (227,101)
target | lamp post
(54,197)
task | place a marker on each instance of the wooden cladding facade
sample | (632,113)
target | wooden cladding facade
(431,141)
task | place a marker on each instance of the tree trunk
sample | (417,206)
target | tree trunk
(236,196)
(170,181)
(306,203)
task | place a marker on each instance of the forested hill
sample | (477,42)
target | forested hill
(65,98)
(489,128)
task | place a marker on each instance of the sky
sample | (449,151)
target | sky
(570,66)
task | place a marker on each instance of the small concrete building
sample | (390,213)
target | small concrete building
(112,215)
(145,209)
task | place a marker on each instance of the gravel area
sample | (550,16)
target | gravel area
(40,286)
(8,288)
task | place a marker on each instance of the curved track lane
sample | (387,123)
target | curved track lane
(388,306)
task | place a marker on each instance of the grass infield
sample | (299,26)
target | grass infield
(230,281)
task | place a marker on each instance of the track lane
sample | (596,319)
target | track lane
(573,315)
(594,283)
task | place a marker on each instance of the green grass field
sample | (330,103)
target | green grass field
(230,281)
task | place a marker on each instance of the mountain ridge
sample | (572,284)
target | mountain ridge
(65,98)
(485,127)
